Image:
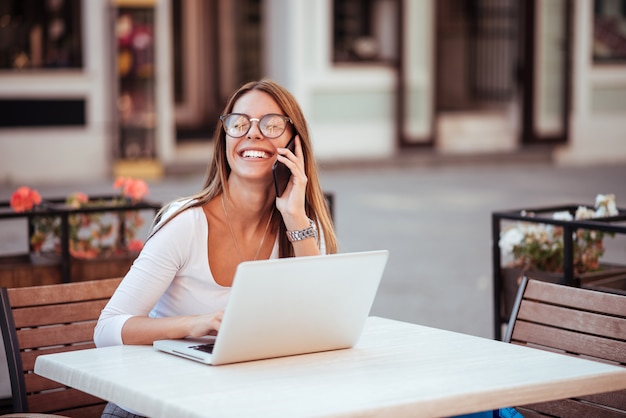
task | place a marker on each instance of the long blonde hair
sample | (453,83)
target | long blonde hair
(215,181)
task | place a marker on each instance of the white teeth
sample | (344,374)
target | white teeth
(254,154)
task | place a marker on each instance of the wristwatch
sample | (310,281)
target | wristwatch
(300,234)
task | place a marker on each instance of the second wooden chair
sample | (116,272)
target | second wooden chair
(573,321)
(50,319)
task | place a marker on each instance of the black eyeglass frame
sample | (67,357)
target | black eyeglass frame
(258,120)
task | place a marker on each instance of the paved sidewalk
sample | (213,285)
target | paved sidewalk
(433,217)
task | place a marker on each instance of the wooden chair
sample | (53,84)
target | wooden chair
(50,319)
(573,321)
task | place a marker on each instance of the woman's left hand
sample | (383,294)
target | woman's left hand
(291,202)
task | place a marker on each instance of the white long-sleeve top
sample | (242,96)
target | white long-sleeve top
(170,277)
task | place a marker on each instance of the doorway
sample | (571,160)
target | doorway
(501,74)
(212,57)
(476,56)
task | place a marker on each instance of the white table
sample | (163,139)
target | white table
(396,369)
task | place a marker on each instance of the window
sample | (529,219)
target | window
(136,100)
(37,34)
(609,31)
(366,30)
(17,113)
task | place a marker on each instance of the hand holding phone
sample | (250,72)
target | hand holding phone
(281,172)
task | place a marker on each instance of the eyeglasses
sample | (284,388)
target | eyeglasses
(238,124)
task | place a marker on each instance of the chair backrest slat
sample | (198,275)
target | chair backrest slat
(569,342)
(36,383)
(569,408)
(64,334)
(573,321)
(29,357)
(37,316)
(62,293)
(63,401)
(615,400)
(576,297)
(50,319)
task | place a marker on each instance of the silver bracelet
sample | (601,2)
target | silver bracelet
(300,234)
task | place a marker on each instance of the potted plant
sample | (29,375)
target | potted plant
(536,249)
(92,233)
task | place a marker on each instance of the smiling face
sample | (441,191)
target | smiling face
(252,155)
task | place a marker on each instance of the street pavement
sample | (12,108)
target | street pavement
(432,214)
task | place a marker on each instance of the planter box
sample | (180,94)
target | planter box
(36,269)
(18,271)
(505,280)
(117,266)
(613,284)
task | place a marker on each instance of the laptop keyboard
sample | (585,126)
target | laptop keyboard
(207,348)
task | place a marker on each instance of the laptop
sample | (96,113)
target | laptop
(290,306)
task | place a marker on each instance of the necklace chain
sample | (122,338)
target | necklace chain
(232,233)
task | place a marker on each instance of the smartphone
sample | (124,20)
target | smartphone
(281,172)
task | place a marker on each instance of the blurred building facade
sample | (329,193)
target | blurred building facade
(90,88)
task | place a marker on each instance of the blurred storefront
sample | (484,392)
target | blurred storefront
(91,88)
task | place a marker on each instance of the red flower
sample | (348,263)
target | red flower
(135,246)
(24,199)
(134,189)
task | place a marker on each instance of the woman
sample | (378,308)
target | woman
(179,285)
